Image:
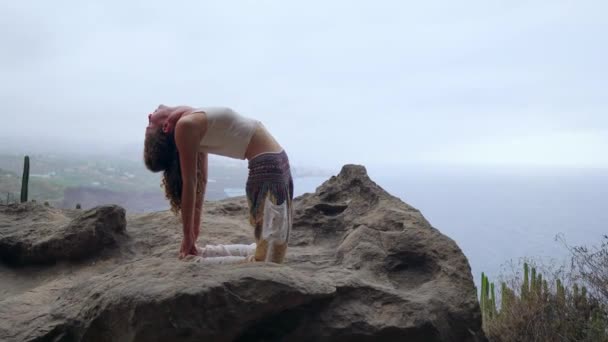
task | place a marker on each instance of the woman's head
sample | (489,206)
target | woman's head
(157,118)
(160,154)
(159,150)
(159,147)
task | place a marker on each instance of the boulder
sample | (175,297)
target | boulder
(36,234)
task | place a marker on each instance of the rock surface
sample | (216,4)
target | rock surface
(362,266)
(31,234)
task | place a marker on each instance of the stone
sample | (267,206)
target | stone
(37,234)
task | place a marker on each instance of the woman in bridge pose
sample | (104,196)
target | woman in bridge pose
(177,142)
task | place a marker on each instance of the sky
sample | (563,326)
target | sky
(371,82)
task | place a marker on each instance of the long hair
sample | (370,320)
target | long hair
(160,154)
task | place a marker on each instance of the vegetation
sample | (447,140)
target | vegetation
(567,305)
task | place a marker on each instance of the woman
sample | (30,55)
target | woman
(178,140)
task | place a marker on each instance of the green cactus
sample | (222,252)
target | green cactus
(492,301)
(560,291)
(487,300)
(533,280)
(539,285)
(584,292)
(525,287)
(483,282)
(504,296)
(25,179)
(583,300)
(483,299)
(546,304)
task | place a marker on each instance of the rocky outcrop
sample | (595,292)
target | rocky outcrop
(35,234)
(362,266)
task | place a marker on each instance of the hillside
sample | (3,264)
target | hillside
(65,181)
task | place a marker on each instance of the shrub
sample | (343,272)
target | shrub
(567,305)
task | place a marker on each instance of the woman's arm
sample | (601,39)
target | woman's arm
(186,139)
(200,196)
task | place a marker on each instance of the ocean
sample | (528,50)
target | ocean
(500,215)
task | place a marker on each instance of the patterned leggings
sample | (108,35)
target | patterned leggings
(270,195)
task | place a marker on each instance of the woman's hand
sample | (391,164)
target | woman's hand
(188,248)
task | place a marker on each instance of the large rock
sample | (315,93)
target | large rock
(362,266)
(35,234)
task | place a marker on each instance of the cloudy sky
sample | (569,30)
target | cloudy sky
(374,82)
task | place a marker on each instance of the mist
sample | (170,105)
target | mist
(376,83)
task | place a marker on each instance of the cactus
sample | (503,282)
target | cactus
(561,291)
(525,287)
(584,292)
(555,307)
(483,299)
(482,292)
(539,285)
(25,179)
(492,301)
(505,298)
(584,302)
(533,280)
(533,288)
(487,299)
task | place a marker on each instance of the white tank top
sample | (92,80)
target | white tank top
(228,133)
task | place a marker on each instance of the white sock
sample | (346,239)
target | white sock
(221,260)
(227,250)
